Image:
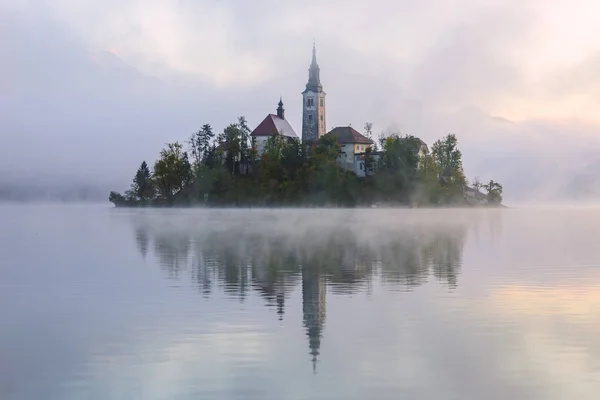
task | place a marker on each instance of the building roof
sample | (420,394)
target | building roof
(273,125)
(347,135)
(423,144)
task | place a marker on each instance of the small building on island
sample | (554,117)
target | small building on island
(272,125)
(351,143)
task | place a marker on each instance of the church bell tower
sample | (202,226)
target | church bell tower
(313,107)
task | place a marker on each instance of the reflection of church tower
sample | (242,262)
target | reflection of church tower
(313,108)
(313,308)
(280,305)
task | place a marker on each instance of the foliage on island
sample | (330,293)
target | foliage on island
(226,170)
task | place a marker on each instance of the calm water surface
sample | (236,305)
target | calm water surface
(99,303)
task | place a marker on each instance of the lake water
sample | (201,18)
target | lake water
(103,303)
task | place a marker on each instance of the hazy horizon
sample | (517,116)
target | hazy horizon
(88,91)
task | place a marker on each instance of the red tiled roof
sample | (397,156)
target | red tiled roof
(347,134)
(273,125)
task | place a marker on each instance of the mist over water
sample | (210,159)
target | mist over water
(103,303)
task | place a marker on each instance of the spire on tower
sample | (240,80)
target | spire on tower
(280,110)
(314,82)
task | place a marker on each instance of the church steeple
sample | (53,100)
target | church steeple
(280,110)
(314,81)
(313,110)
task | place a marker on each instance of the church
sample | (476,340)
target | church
(314,124)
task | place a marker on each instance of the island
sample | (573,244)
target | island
(273,166)
(230,171)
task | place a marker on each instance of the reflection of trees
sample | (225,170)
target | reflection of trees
(142,240)
(414,254)
(172,250)
(402,263)
(444,254)
(271,262)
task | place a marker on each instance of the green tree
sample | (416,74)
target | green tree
(494,192)
(401,155)
(324,176)
(230,146)
(143,186)
(428,190)
(200,143)
(328,147)
(369,130)
(369,161)
(396,175)
(448,161)
(117,198)
(292,158)
(244,137)
(172,171)
(446,154)
(272,173)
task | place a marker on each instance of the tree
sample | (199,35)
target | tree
(272,173)
(369,161)
(397,173)
(428,189)
(200,143)
(230,146)
(401,154)
(369,130)
(477,185)
(116,198)
(292,158)
(448,162)
(324,176)
(327,146)
(446,154)
(172,171)
(143,187)
(244,134)
(494,192)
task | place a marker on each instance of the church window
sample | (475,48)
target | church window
(321,117)
(321,102)
(310,117)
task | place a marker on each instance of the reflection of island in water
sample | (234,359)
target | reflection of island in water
(273,262)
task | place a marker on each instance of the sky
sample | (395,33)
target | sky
(89,89)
